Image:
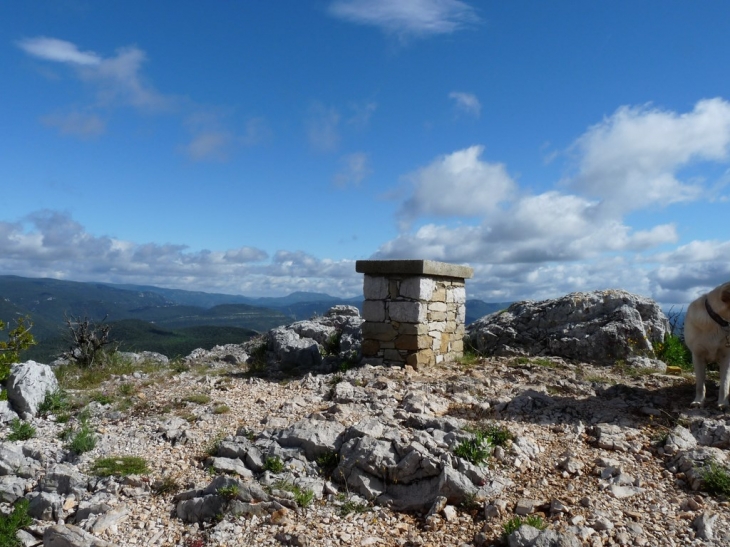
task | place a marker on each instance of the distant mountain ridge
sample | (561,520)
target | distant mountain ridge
(156,313)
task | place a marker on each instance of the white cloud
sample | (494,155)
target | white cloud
(208,145)
(117,78)
(78,124)
(53,49)
(457,184)
(355,167)
(467,103)
(53,244)
(631,159)
(322,126)
(407,17)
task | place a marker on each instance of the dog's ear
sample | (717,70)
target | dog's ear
(725,295)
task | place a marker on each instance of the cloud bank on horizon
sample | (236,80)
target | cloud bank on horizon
(635,197)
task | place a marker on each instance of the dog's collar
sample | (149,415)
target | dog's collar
(719,320)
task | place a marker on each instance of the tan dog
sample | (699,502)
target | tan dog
(707,334)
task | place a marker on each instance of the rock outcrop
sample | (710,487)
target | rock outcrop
(27,386)
(595,327)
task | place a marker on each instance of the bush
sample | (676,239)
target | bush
(19,339)
(87,340)
(674,352)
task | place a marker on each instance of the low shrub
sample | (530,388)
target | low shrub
(674,352)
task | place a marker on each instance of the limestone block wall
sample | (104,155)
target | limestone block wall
(414,312)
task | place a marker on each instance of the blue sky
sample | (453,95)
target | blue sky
(260,148)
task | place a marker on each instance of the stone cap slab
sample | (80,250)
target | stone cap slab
(413,267)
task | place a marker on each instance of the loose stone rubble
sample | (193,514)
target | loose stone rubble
(604,455)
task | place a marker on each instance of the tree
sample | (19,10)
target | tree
(19,339)
(88,339)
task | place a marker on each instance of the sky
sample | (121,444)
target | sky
(261,148)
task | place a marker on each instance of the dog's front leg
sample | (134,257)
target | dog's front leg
(700,366)
(723,397)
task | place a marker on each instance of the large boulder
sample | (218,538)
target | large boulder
(27,386)
(598,327)
(306,344)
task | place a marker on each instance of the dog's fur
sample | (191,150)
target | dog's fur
(709,342)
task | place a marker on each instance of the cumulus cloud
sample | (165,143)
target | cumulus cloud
(631,159)
(457,184)
(407,17)
(466,103)
(53,244)
(354,168)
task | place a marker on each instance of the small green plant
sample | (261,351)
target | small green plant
(197,398)
(82,439)
(674,352)
(102,398)
(20,431)
(211,447)
(328,461)
(229,492)
(221,409)
(257,363)
(303,496)
(119,466)
(350,506)
(126,389)
(332,345)
(473,450)
(274,464)
(3,394)
(336,379)
(496,435)
(515,523)
(55,402)
(10,524)
(166,485)
(716,479)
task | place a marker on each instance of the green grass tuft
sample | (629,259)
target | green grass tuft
(10,524)
(716,479)
(515,523)
(274,464)
(20,431)
(120,466)
(55,402)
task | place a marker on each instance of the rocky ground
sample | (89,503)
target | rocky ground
(604,456)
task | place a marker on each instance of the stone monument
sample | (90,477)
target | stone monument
(414,311)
